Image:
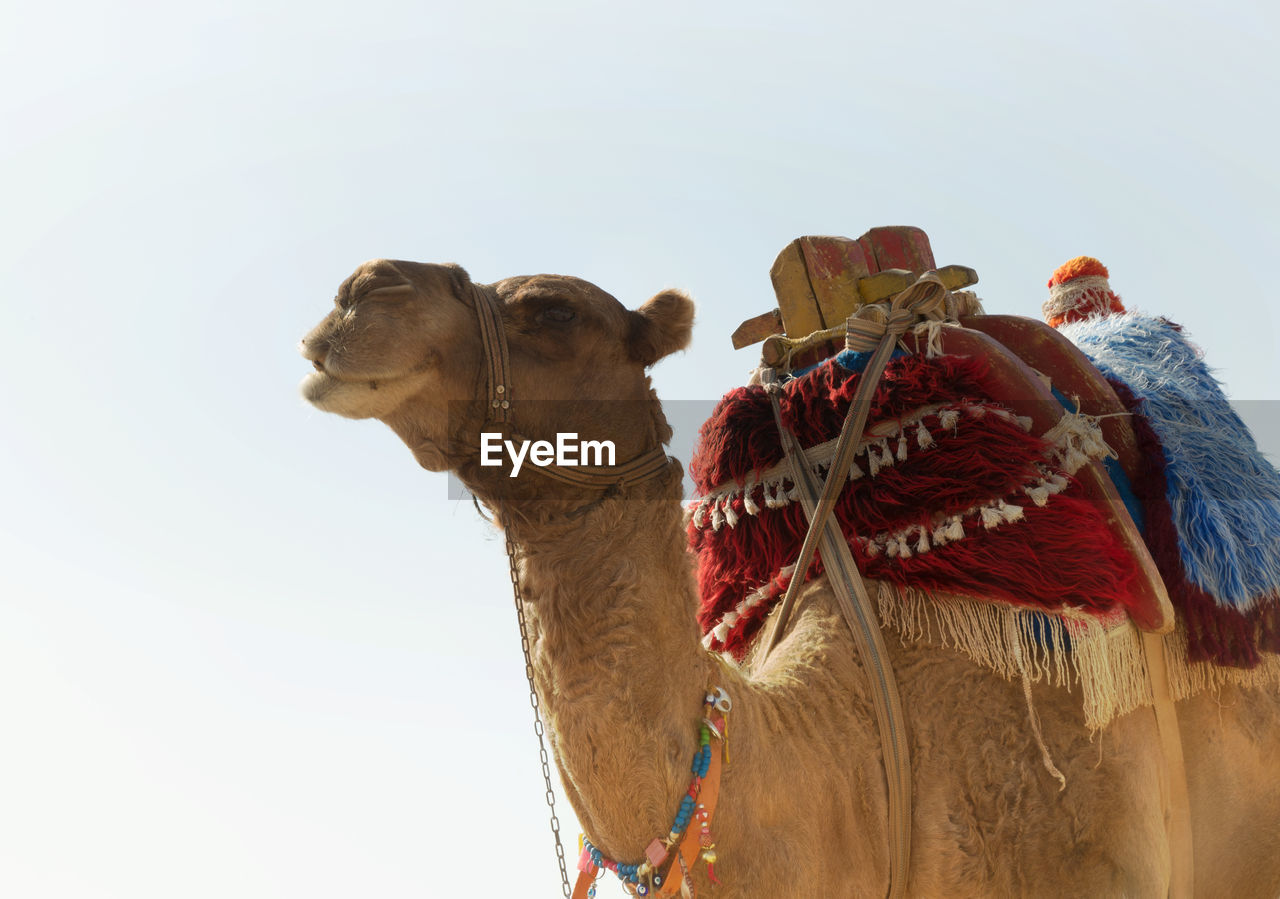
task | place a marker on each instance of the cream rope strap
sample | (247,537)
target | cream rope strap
(874,329)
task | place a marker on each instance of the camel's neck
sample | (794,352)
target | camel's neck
(620,671)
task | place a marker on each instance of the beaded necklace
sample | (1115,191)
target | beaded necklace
(643,877)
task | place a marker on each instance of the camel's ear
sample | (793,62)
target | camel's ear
(459,280)
(661,326)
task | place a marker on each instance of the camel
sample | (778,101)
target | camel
(621,673)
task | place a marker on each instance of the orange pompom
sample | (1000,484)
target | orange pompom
(1079,267)
(1079,289)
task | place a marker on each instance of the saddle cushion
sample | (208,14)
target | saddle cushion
(949,491)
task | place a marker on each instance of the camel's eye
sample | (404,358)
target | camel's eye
(558,314)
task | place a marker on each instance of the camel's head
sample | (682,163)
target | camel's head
(403,344)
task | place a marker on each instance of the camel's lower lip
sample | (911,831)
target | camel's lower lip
(322,381)
(315,385)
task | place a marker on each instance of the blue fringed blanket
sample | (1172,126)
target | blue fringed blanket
(1223,494)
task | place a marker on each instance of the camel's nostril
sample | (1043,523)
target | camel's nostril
(317,366)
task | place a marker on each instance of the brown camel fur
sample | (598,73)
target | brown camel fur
(621,673)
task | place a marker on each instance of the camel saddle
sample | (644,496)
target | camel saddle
(1027,371)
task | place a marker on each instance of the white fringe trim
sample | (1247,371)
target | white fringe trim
(1077,439)
(1105,659)
(1074,441)
(762,594)
(921,538)
(716,508)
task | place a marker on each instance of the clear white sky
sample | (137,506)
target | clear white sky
(251,650)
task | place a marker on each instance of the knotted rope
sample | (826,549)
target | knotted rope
(867,328)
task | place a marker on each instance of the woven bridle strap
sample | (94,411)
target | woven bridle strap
(493,339)
(641,468)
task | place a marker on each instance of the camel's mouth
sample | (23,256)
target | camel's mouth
(352,395)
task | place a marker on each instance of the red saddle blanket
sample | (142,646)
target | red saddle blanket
(950,491)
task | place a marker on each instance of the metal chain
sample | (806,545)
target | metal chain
(537,716)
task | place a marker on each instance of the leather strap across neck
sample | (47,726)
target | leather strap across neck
(641,468)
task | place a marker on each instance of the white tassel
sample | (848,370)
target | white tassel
(949,418)
(991,518)
(873,464)
(923,437)
(1073,460)
(886,456)
(922,545)
(793,495)
(717,518)
(904,551)
(854,471)
(748,503)
(774,500)
(1039,495)
(1094,445)
(1010,512)
(940,535)
(730,515)
(700,515)
(902,447)
(873,549)
(1057,483)
(978,411)
(1024,422)
(955,530)
(891,548)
